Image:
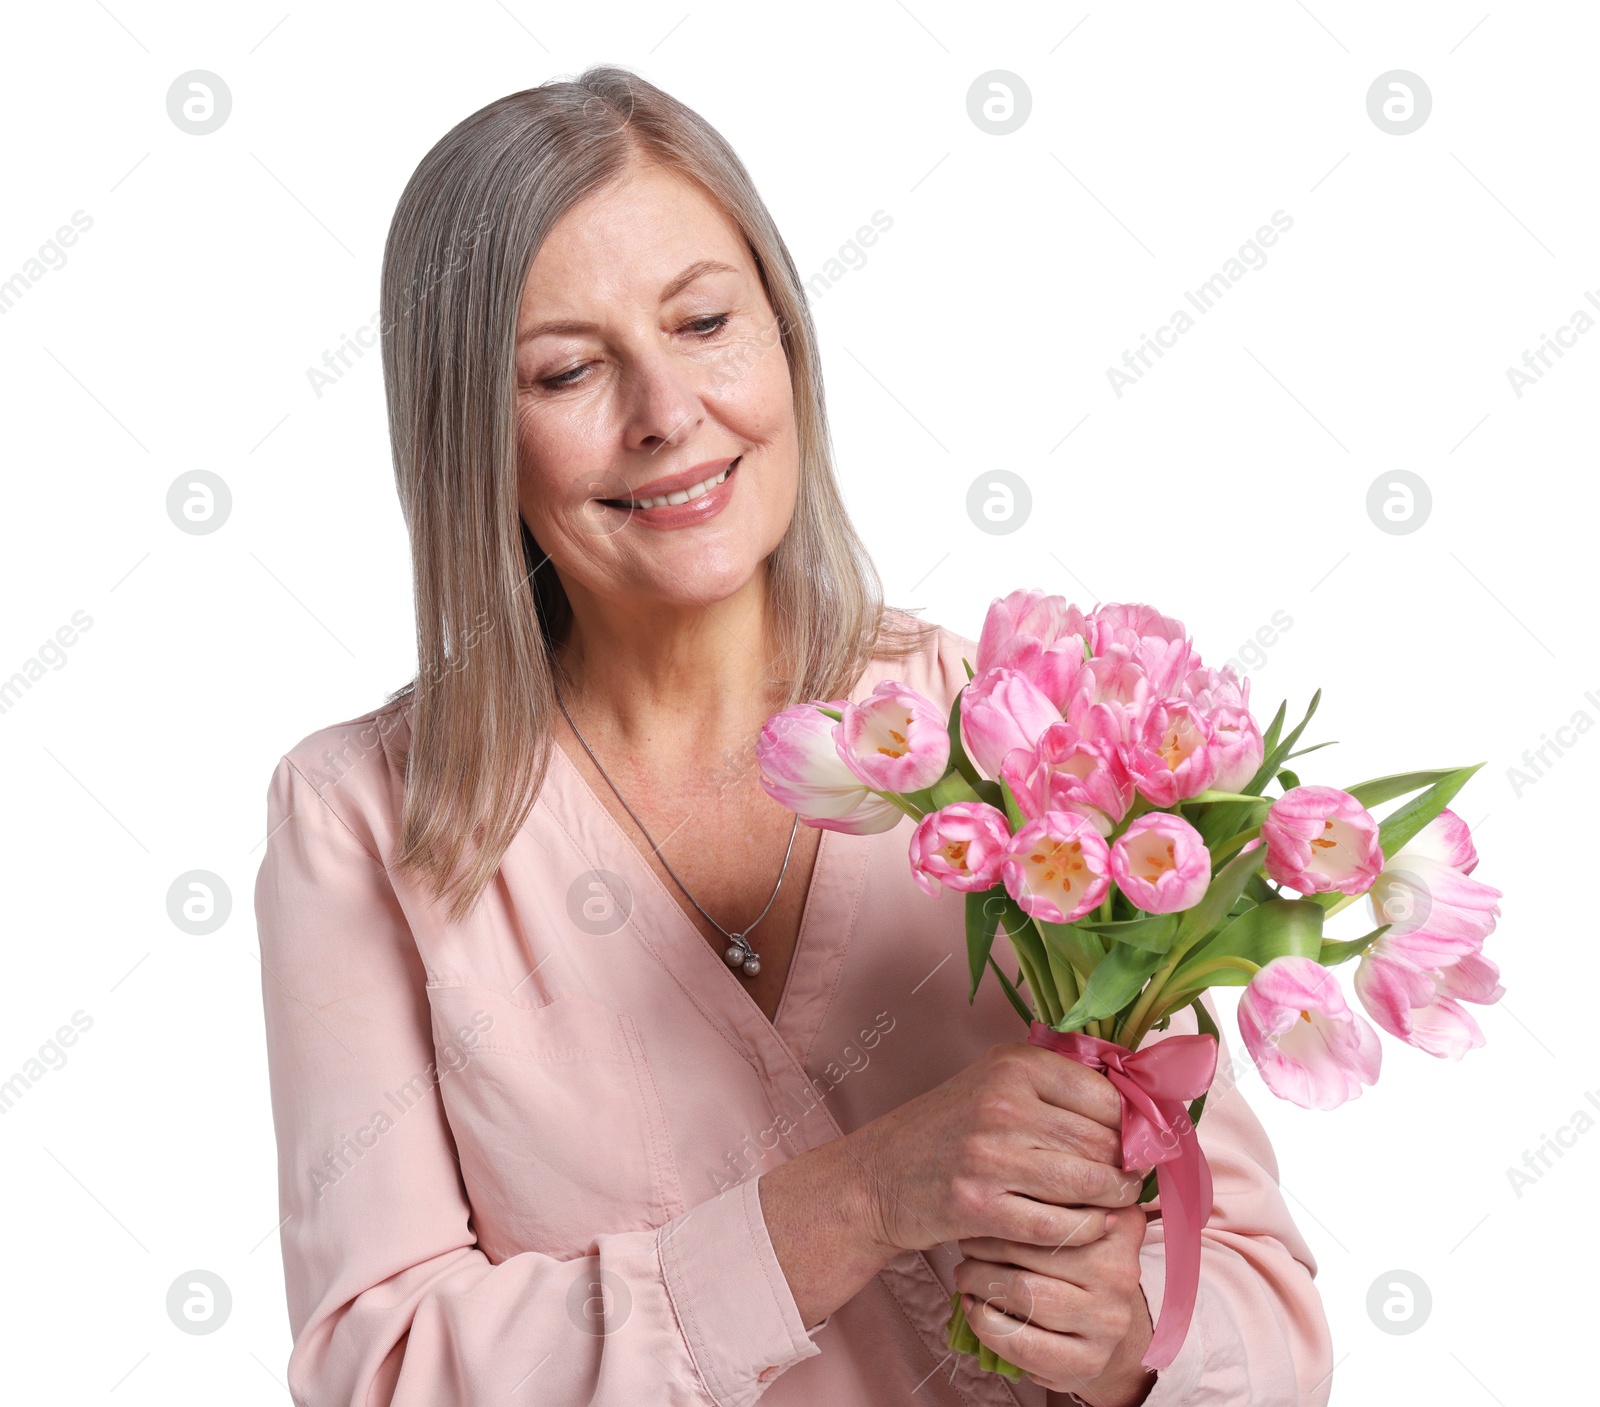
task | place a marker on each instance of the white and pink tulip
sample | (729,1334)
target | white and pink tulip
(1172,752)
(1161,863)
(800,768)
(1414,979)
(1309,1046)
(960,847)
(894,739)
(1057,867)
(1321,839)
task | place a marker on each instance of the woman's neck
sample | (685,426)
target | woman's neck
(652,672)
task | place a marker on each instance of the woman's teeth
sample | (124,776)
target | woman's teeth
(661,500)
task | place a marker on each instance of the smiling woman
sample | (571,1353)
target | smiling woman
(553,846)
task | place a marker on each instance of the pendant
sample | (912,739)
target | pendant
(743,958)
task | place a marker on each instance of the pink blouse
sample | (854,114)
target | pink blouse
(518,1155)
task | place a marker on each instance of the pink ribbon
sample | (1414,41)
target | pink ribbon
(1156,1084)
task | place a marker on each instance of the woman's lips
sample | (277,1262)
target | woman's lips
(682,515)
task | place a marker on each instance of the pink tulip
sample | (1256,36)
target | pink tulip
(894,739)
(1209,689)
(1171,754)
(1058,867)
(1115,682)
(1309,1046)
(800,768)
(1067,767)
(960,846)
(1413,980)
(1239,747)
(1039,636)
(1002,709)
(1156,644)
(1161,863)
(1321,839)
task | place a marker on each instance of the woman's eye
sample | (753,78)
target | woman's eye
(716,321)
(704,327)
(561,378)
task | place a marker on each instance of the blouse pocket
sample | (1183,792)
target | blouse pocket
(559,1125)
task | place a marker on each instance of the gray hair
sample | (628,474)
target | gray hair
(490,608)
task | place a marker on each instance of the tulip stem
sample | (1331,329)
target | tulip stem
(1037,990)
(895,799)
(1343,902)
(1243,964)
(1227,847)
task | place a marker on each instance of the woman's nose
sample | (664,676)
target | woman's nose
(664,407)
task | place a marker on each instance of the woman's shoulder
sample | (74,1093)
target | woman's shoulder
(356,767)
(935,669)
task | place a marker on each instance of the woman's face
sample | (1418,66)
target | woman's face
(648,362)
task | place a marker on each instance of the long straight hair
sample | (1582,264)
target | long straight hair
(490,609)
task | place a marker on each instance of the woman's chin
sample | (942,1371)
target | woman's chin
(699,583)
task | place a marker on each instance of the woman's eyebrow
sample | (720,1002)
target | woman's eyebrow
(698,269)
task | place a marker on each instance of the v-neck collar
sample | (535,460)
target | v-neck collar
(826,926)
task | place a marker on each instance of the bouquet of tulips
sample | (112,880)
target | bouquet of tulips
(1101,795)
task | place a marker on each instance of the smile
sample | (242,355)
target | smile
(684,507)
(661,500)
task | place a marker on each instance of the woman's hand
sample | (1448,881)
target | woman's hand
(1022,1145)
(1073,1318)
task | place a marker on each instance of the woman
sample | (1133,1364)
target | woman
(595,1078)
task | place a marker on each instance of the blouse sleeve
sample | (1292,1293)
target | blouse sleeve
(1259,1337)
(391,1300)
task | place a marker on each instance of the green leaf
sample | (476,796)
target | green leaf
(832,713)
(1275,756)
(1117,979)
(959,758)
(1153,932)
(1082,948)
(1207,1027)
(1207,796)
(968,664)
(922,799)
(1382,789)
(1287,779)
(1011,990)
(1269,739)
(1332,954)
(1259,890)
(1399,828)
(1061,972)
(1013,811)
(1315,747)
(983,914)
(1227,819)
(1023,935)
(1226,886)
(1279,928)
(951,788)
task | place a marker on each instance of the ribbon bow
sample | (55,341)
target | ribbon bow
(1156,1084)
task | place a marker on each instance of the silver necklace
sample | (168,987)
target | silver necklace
(739,955)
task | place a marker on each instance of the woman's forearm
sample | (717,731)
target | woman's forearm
(818,1214)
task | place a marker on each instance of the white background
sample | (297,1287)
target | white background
(1228,484)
